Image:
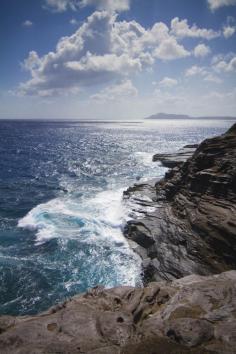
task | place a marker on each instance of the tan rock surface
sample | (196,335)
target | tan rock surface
(194,314)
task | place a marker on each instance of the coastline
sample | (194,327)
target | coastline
(194,314)
(192,226)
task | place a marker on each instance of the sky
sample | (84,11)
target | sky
(117,59)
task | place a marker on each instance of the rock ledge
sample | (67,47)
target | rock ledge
(192,315)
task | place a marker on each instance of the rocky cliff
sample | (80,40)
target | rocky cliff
(183,224)
(191,227)
(192,315)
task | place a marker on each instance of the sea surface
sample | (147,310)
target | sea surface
(61,209)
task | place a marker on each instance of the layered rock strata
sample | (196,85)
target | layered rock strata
(190,223)
(176,159)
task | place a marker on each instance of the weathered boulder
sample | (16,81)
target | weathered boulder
(194,314)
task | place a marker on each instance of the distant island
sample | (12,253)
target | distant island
(184,116)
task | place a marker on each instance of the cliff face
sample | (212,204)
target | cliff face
(193,227)
(191,315)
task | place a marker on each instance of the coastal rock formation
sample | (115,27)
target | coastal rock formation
(184,224)
(190,224)
(176,159)
(195,314)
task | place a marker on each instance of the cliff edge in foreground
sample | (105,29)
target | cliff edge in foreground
(192,315)
(190,223)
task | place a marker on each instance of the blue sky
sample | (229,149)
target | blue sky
(117,59)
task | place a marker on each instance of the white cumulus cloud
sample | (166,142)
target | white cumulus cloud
(225,64)
(87,57)
(107,63)
(102,50)
(205,73)
(195,70)
(170,49)
(201,50)
(181,28)
(228,31)
(216,4)
(168,82)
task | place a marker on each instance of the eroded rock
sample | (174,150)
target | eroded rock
(194,314)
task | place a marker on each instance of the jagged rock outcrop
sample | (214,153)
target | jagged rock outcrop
(192,315)
(190,224)
(176,159)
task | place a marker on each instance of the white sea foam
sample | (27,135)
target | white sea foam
(95,221)
(103,215)
(144,157)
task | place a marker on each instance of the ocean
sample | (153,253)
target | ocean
(61,209)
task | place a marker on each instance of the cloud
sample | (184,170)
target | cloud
(102,50)
(195,70)
(108,5)
(181,29)
(212,78)
(123,90)
(83,59)
(201,50)
(27,23)
(87,57)
(108,63)
(168,82)
(224,64)
(216,4)
(202,72)
(32,62)
(169,49)
(61,5)
(228,31)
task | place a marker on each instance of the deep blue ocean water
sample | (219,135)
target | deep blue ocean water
(61,210)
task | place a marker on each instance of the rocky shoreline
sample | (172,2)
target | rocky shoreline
(184,229)
(190,224)
(194,314)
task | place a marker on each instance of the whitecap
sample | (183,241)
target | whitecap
(144,157)
(103,215)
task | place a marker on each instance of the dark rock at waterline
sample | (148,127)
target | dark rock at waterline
(193,217)
(192,315)
(176,159)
